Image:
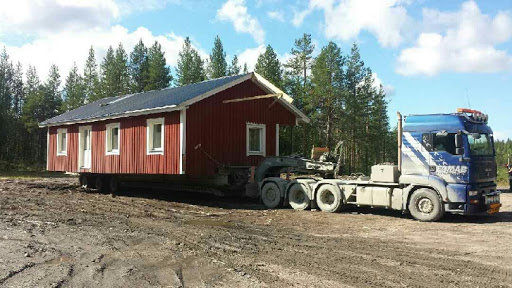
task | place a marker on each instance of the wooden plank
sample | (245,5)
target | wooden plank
(278,95)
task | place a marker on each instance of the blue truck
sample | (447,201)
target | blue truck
(446,164)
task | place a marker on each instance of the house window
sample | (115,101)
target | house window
(255,139)
(112,138)
(62,142)
(155,136)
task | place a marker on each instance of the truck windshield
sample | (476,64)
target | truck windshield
(480,146)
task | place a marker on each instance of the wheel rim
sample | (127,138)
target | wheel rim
(327,198)
(298,196)
(270,194)
(425,205)
(83,182)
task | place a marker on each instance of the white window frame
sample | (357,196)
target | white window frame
(263,136)
(61,152)
(149,138)
(108,138)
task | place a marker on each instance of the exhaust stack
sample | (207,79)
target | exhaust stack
(399,141)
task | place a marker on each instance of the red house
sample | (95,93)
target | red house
(191,130)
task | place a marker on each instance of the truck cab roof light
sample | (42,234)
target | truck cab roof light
(475,114)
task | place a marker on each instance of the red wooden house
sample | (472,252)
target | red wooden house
(190,130)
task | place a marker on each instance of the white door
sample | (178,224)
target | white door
(85,147)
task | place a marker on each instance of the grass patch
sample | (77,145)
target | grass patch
(502,177)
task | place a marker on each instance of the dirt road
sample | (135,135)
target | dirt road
(53,234)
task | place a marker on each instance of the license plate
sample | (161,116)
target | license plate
(491,199)
(494,208)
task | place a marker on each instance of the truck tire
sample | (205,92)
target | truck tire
(426,205)
(83,179)
(100,184)
(329,199)
(298,197)
(113,185)
(271,195)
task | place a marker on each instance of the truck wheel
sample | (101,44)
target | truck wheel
(113,184)
(298,197)
(425,205)
(100,184)
(271,195)
(329,199)
(83,179)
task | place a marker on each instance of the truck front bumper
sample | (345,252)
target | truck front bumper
(487,204)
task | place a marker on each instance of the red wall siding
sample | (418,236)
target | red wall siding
(133,158)
(220,128)
(63,163)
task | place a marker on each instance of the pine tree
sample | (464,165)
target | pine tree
(198,67)
(327,100)
(217,65)
(121,71)
(17,90)
(246,70)
(6,74)
(53,94)
(74,90)
(356,108)
(159,73)
(234,68)
(298,82)
(269,66)
(91,80)
(190,65)
(108,82)
(33,82)
(138,67)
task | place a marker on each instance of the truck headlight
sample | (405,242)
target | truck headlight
(472,193)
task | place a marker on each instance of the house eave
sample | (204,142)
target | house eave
(133,113)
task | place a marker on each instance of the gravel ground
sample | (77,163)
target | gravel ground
(54,234)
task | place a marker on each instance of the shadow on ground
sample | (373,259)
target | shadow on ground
(238,202)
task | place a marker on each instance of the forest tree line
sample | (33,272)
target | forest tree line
(335,90)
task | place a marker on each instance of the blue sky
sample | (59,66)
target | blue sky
(431,56)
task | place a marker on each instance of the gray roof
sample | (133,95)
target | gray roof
(113,106)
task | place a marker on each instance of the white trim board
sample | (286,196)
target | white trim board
(183,138)
(80,148)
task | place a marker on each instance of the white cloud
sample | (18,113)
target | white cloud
(462,41)
(345,19)
(250,56)
(48,16)
(377,82)
(235,11)
(61,31)
(64,48)
(276,15)
(130,6)
(299,16)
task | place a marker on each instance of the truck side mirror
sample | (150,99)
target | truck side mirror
(458,141)
(459,151)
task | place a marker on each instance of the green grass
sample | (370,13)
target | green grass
(502,177)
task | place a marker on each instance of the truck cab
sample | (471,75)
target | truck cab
(453,154)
